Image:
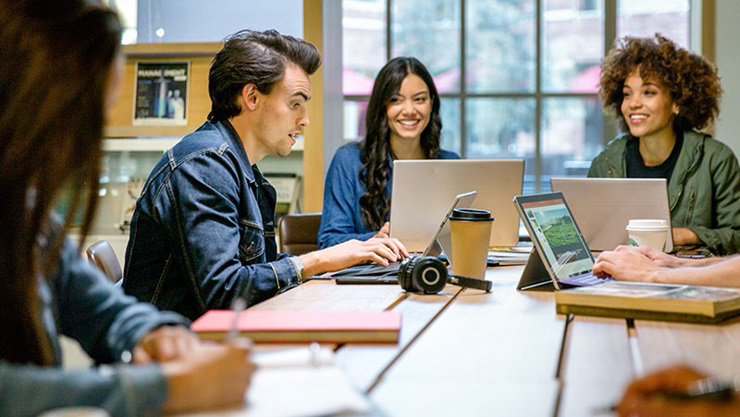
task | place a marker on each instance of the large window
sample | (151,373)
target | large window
(518,78)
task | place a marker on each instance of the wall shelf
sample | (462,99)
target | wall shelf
(151,144)
(149,50)
(139,144)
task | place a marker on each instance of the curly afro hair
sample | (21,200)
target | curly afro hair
(692,82)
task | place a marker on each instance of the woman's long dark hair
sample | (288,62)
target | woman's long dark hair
(55,61)
(376,147)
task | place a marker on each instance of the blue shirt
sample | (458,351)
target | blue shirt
(80,302)
(341,219)
(203,230)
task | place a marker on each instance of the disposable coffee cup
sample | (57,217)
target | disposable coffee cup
(470,231)
(648,232)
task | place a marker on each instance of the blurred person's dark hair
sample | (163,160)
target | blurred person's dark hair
(56,58)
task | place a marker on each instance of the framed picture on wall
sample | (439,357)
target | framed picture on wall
(161,93)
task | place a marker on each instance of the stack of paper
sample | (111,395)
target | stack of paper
(515,255)
(297,382)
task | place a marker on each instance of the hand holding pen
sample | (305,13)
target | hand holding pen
(200,375)
(679,391)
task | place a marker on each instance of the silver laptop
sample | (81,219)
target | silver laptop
(439,242)
(604,206)
(424,188)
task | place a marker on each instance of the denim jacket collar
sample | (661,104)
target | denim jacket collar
(233,139)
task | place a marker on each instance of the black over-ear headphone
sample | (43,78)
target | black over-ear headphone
(428,274)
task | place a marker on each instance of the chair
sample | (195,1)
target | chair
(299,233)
(101,254)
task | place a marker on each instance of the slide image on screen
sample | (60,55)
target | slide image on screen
(560,232)
(561,243)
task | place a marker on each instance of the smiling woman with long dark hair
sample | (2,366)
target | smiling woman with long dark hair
(402,123)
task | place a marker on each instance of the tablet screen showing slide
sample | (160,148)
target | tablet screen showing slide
(555,233)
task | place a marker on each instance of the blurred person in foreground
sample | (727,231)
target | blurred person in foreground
(59,73)
(650,396)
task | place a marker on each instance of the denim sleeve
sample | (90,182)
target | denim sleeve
(205,198)
(342,201)
(91,310)
(28,390)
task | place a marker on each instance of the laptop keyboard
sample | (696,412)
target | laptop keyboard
(370,270)
(584,280)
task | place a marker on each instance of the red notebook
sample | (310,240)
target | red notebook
(282,326)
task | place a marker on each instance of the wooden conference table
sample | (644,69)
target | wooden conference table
(467,353)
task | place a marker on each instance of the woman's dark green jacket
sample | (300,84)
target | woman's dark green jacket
(704,190)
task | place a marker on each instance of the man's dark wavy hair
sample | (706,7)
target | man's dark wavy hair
(252,57)
(376,147)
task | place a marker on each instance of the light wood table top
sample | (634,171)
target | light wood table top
(466,352)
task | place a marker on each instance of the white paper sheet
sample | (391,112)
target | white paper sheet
(297,383)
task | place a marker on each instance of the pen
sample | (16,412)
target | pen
(712,389)
(314,350)
(708,389)
(237,307)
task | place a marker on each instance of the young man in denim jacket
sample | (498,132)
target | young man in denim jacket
(203,231)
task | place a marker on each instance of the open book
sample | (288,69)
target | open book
(651,301)
(284,326)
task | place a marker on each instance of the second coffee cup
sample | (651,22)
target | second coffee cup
(470,231)
(648,232)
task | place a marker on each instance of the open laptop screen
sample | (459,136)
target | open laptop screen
(423,189)
(604,206)
(553,229)
(440,241)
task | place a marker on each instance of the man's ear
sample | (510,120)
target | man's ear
(250,96)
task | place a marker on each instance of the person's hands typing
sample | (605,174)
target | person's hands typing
(626,263)
(661,258)
(379,250)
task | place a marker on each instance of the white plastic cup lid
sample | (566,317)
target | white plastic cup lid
(647,224)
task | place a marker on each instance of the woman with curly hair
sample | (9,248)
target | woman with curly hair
(402,123)
(662,95)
